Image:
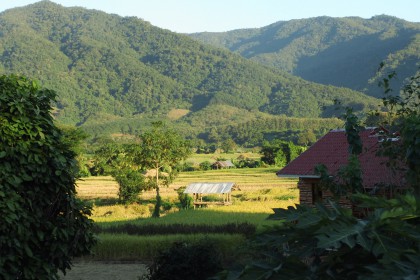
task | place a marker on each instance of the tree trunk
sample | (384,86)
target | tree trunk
(156,212)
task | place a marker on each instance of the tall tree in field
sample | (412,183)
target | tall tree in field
(42,223)
(161,147)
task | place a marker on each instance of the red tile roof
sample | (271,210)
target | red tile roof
(332,151)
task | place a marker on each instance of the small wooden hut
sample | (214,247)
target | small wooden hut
(223,164)
(198,190)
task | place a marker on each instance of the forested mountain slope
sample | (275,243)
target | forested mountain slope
(338,51)
(122,71)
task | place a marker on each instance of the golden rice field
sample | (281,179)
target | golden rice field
(259,190)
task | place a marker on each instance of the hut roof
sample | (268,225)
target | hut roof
(226,163)
(209,188)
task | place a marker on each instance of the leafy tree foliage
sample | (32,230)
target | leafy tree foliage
(279,152)
(185,199)
(205,165)
(43,226)
(404,117)
(330,243)
(161,147)
(131,183)
(119,161)
(75,138)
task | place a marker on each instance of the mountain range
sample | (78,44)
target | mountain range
(344,52)
(116,74)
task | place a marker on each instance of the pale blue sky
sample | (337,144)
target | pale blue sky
(187,16)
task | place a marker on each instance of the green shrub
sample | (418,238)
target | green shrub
(205,165)
(285,197)
(185,199)
(211,198)
(167,205)
(185,261)
(130,182)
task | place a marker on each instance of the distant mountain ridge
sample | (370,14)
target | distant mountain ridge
(343,52)
(117,72)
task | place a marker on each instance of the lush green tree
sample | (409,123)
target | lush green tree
(131,182)
(76,137)
(279,153)
(119,161)
(404,121)
(185,199)
(43,225)
(161,148)
(228,145)
(306,138)
(106,158)
(205,165)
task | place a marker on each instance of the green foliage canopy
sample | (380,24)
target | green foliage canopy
(161,147)
(43,226)
(279,153)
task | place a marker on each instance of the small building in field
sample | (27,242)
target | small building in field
(223,164)
(198,190)
(332,151)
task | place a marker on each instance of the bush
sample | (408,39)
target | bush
(167,205)
(186,261)
(185,199)
(205,165)
(130,182)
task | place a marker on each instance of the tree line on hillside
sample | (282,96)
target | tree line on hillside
(245,130)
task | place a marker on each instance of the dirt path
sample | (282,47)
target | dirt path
(104,271)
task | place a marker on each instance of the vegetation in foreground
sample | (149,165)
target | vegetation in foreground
(43,225)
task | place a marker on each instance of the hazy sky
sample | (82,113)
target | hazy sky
(187,16)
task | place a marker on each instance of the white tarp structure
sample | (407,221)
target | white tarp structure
(223,190)
(209,188)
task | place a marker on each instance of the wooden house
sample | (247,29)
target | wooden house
(332,151)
